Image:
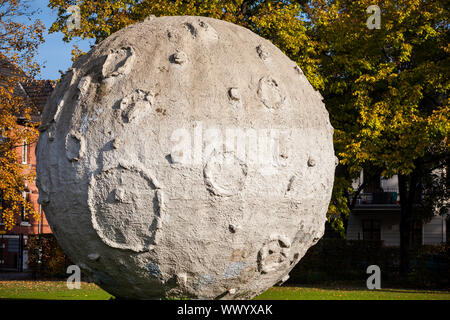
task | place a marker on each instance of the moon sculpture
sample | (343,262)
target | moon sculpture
(185,157)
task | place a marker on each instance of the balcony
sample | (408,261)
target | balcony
(378,202)
(383,198)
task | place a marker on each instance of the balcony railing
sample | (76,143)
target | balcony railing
(384,198)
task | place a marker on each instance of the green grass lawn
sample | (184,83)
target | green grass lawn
(335,293)
(58,290)
(53,290)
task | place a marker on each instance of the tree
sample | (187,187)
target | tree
(18,43)
(387,93)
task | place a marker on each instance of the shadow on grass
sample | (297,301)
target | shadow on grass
(355,287)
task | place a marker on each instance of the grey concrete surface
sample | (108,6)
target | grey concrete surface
(185,157)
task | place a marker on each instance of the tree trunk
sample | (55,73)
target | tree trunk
(405,226)
(407,188)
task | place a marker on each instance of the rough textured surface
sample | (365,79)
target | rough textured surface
(185,157)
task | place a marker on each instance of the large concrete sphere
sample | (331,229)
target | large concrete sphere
(185,157)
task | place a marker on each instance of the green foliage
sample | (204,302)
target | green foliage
(386,89)
(275,20)
(339,210)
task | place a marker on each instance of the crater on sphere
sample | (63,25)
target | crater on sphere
(125,208)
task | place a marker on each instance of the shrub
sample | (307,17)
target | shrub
(52,262)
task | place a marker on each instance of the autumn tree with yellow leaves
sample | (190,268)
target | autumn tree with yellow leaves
(386,89)
(18,44)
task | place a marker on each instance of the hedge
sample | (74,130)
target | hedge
(335,260)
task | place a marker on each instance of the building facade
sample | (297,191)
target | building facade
(376,216)
(13,253)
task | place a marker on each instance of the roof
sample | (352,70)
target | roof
(33,91)
(38,91)
(7,68)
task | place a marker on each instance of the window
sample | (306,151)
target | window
(24,152)
(371,230)
(24,216)
(1,208)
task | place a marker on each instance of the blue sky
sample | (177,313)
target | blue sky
(54,54)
